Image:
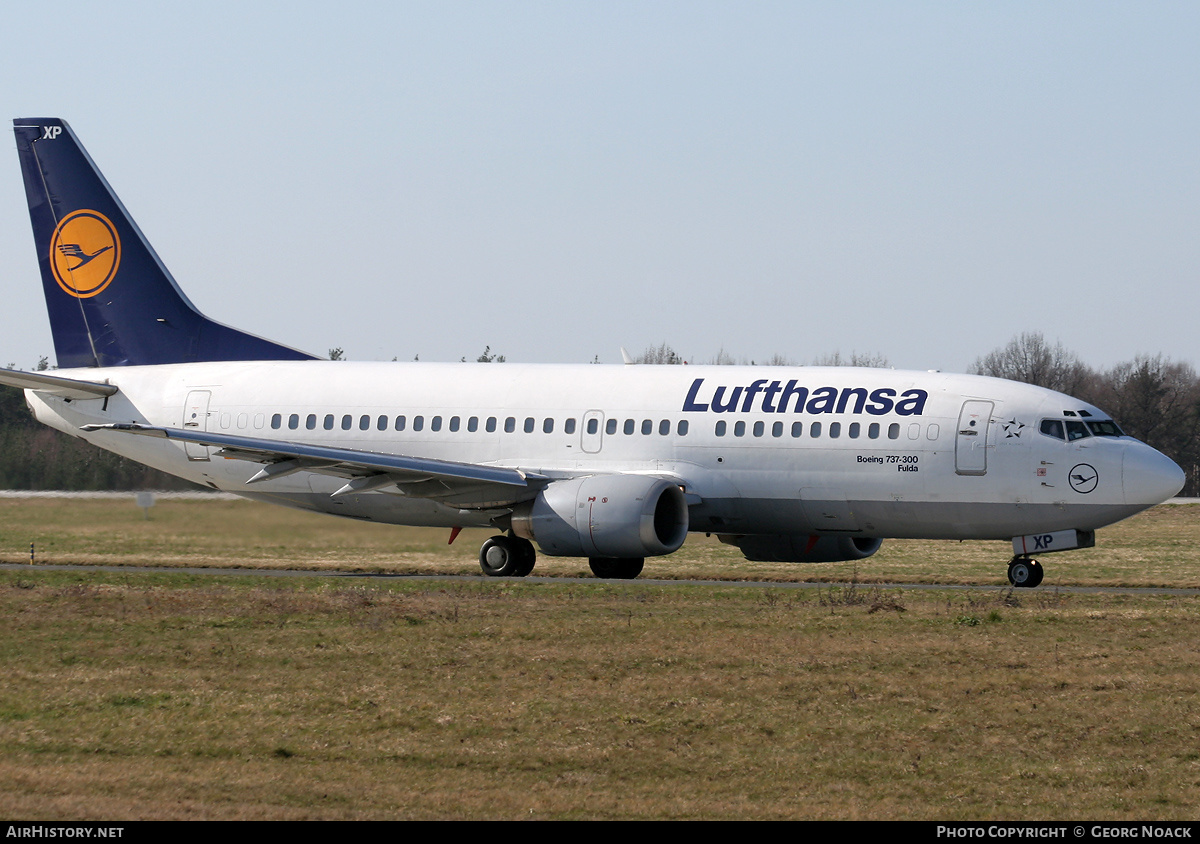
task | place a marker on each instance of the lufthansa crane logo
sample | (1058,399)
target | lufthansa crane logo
(1083,478)
(85,252)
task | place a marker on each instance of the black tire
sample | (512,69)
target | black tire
(501,556)
(616,568)
(527,554)
(1038,573)
(1024,573)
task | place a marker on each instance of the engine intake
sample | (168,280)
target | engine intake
(605,516)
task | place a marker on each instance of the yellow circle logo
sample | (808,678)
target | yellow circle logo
(84,253)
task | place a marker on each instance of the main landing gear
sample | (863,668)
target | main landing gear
(616,568)
(507,556)
(1024,573)
(512,556)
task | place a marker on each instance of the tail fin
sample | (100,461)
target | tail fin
(111,300)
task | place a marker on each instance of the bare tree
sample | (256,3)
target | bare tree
(780,360)
(662,354)
(1029,358)
(865,359)
(1156,400)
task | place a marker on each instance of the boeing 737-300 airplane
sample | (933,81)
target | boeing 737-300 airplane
(612,463)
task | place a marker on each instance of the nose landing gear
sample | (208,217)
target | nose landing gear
(1024,573)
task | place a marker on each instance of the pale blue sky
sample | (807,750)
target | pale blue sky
(555,180)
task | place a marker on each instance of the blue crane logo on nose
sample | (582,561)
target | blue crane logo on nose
(1083,478)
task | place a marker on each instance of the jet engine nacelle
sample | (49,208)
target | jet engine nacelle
(605,516)
(786,548)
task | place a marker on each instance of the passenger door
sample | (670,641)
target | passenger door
(971,441)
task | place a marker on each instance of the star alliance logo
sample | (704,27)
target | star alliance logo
(1012,428)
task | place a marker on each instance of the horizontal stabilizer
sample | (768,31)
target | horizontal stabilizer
(55,385)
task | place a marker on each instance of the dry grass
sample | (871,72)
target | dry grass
(176,696)
(1160,547)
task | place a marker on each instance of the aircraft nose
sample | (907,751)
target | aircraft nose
(1148,476)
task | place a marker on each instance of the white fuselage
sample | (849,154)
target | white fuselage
(758,450)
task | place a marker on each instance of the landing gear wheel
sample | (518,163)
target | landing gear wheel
(1025,573)
(507,556)
(527,554)
(616,568)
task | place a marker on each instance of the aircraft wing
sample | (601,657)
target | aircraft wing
(56,385)
(468,485)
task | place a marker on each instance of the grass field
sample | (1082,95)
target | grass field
(1158,548)
(176,695)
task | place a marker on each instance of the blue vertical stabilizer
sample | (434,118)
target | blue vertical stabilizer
(111,300)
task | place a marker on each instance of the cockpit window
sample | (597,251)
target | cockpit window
(1076,430)
(1053,428)
(1105,428)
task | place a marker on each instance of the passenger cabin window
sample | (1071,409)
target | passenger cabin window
(629,423)
(548,425)
(610,427)
(510,424)
(569,426)
(328,421)
(491,425)
(894,431)
(435,424)
(454,423)
(721,428)
(400,423)
(473,424)
(682,428)
(294,421)
(418,423)
(347,421)
(835,430)
(276,421)
(311,422)
(529,424)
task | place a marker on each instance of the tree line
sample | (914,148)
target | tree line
(1151,397)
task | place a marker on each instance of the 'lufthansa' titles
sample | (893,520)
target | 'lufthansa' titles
(777,397)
